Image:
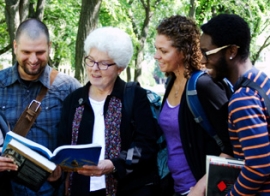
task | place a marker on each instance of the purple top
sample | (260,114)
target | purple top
(177,163)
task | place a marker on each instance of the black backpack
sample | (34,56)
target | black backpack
(155,103)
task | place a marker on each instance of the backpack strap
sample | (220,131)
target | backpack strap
(4,128)
(196,107)
(129,93)
(245,82)
(155,103)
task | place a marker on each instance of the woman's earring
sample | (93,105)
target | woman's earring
(231,58)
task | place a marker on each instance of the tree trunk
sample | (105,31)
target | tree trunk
(87,22)
(128,74)
(12,20)
(5,49)
(192,9)
(142,39)
(17,11)
(24,9)
(40,9)
(138,62)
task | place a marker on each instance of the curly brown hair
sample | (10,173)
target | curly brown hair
(185,35)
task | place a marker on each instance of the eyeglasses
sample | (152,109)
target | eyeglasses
(214,51)
(101,65)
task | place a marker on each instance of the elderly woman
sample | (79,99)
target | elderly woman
(96,114)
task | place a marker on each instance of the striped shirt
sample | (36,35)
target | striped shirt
(249,127)
(16,95)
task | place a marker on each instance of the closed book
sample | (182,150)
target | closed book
(221,174)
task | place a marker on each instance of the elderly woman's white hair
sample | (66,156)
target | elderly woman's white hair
(112,40)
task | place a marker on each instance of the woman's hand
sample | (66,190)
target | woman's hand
(55,175)
(7,163)
(103,167)
(199,188)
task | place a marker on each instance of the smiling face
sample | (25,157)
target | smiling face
(167,56)
(206,45)
(102,79)
(217,61)
(32,55)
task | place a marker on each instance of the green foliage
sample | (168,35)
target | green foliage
(255,12)
(4,38)
(62,18)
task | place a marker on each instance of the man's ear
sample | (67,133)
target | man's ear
(233,50)
(50,45)
(15,46)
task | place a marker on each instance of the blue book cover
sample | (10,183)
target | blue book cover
(69,157)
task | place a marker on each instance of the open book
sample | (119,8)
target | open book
(221,174)
(36,162)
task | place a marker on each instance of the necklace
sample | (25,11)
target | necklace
(176,93)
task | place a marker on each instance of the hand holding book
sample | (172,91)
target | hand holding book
(55,175)
(221,174)
(35,162)
(7,164)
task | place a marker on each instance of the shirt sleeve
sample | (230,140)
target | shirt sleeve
(250,138)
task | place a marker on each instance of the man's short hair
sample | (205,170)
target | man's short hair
(33,28)
(229,29)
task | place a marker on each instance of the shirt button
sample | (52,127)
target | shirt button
(3,107)
(47,108)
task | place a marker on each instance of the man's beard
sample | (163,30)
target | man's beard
(33,73)
(221,69)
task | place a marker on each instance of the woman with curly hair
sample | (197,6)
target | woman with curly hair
(178,55)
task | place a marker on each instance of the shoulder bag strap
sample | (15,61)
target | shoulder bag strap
(32,111)
(249,83)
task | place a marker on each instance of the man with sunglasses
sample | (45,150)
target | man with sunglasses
(225,45)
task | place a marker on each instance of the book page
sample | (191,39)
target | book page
(29,154)
(33,145)
(73,157)
(78,146)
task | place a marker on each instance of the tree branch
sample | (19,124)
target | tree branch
(40,9)
(264,45)
(2,21)
(24,9)
(132,19)
(156,3)
(5,49)
(143,4)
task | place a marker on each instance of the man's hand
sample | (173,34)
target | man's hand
(7,163)
(55,175)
